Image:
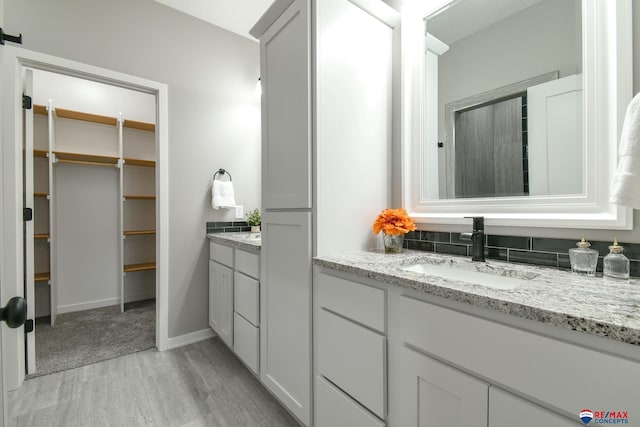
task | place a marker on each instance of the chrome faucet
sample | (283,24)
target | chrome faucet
(476,237)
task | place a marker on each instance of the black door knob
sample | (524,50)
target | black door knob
(14,313)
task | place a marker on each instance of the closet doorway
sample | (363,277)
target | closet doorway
(90,178)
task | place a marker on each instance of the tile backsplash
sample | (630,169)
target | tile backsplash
(547,252)
(227,226)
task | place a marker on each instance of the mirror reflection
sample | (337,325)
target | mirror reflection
(503,90)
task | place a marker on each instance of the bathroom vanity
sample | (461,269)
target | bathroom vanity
(404,338)
(234,293)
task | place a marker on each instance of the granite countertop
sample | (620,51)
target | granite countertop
(594,305)
(246,241)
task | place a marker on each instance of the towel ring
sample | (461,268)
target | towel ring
(221,172)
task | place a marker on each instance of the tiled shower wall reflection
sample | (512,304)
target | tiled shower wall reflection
(529,250)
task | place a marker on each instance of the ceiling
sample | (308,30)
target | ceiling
(237,16)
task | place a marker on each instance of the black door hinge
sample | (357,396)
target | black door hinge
(26,102)
(28,326)
(27,214)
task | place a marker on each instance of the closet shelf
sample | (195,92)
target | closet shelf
(130,268)
(86,117)
(40,194)
(42,277)
(40,153)
(40,109)
(139,197)
(132,124)
(88,159)
(41,236)
(139,162)
(139,232)
(94,118)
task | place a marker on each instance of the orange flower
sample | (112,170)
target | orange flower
(393,221)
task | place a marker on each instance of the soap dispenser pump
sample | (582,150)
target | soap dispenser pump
(583,259)
(616,264)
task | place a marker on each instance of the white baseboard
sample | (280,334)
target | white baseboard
(87,305)
(190,338)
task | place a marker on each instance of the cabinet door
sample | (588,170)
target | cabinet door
(285,309)
(432,394)
(507,410)
(221,301)
(286,121)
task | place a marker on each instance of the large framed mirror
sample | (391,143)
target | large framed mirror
(513,110)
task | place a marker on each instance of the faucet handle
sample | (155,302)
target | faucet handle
(478,222)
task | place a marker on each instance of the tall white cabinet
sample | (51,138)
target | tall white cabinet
(328,80)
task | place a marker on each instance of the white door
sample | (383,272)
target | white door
(286,119)
(3,392)
(555,147)
(436,395)
(285,309)
(221,301)
(29,272)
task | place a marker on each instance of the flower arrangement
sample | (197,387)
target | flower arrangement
(394,222)
(253,218)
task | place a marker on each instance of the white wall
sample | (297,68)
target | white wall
(213,111)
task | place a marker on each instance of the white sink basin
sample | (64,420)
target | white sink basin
(449,272)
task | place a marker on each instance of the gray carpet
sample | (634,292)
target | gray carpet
(85,337)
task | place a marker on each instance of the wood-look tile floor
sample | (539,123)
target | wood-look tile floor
(201,384)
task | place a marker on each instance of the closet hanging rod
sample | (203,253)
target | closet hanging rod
(222,172)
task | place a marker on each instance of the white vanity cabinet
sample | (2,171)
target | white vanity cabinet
(234,301)
(389,355)
(221,291)
(351,352)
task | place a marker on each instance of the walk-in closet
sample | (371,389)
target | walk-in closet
(90,250)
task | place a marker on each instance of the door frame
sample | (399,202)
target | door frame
(11,139)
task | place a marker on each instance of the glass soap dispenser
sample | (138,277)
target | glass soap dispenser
(583,260)
(616,264)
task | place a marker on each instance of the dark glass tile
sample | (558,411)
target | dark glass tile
(601,247)
(220,224)
(552,245)
(563,261)
(634,268)
(530,257)
(414,235)
(239,223)
(215,230)
(232,229)
(247,228)
(448,248)
(514,242)
(455,238)
(631,250)
(436,236)
(496,253)
(419,245)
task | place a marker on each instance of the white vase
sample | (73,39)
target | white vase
(255,228)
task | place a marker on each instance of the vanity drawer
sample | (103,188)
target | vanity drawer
(248,263)
(354,358)
(246,342)
(246,301)
(334,408)
(221,253)
(364,304)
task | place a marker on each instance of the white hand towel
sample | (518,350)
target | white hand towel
(625,187)
(222,194)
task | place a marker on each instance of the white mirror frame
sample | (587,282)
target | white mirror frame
(608,88)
